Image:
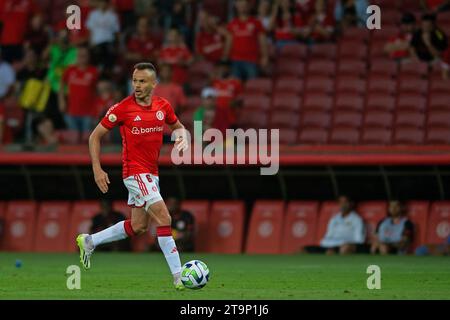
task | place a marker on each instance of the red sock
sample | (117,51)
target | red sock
(164,231)
(128,228)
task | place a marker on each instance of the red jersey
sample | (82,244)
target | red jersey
(175,56)
(141,128)
(145,47)
(245,44)
(400,53)
(283,30)
(227,90)
(15,15)
(209,45)
(81,85)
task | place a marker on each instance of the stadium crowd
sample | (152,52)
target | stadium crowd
(56,83)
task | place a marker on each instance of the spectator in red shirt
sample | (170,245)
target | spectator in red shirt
(286,23)
(321,23)
(170,90)
(14,18)
(398,47)
(265,13)
(80,80)
(177,54)
(105,97)
(246,43)
(209,41)
(142,45)
(227,88)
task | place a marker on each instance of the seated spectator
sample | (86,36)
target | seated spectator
(345,230)
(170,90)
(398,47)
(286,23)
(395,232)
(429,42)
(106,218)
(175,53)
(246,44)
(103,25)
(44,132)
(78,106)
(228,89)
(142,45)
(320,26)
(351,13)
(209,41)
(183,225)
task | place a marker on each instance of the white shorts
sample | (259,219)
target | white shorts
(143,190)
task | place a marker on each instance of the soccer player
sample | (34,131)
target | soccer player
(141,118)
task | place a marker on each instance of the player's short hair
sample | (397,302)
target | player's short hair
(145,66)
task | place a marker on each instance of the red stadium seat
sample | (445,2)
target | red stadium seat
(323,51)
(377,50)
(318,101)
(226,227)
(256,102)
(293,51)
(344,135)
(385,32)
(439,101)
(200,211)
(313,136)
(438,228)
(390,17)
(438,119)
(284,119)
(437,85)
(350,84)
(266,223)
(349,101)
(20,226)
(319,84)
(289,85)
(418,214)
(372,213)
(412,85)
(387,4)
(381,84)
(383,67)
(68,136)
(379,136)
(410,118)
(352,51)
(80,221)
(380,101)
(411,101)
(253,119)
(378,119)
(258,86)
(328,209)
(417,69)
(438,136)
(411,5)
(316,119)
(300,225)
(408,135)
(290,68)
(347,118)
(321,67)
(288,136)
(356,34)
(52,226)
(286,101)
(201,68)
(352,67)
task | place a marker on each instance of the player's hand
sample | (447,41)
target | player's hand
(102,180)
(181,143)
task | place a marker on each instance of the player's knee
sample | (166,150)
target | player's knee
(139,227)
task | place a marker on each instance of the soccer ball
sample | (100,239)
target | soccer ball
(194,274)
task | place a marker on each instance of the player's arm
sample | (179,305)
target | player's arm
(181,141)
(100,176)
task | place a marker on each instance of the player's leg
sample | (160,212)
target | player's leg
(161,216)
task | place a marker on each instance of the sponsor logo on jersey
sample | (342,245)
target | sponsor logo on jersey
(160,115)
(137,118)
(112,117)
(137,130)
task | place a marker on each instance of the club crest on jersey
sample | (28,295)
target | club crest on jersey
(159,115)
(112,117)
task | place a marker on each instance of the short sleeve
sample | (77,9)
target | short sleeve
(259,27)
(171,118)
(112,118)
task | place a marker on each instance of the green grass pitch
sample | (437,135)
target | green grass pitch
(146,276)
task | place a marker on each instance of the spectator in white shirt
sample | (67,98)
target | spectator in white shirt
(345,229)
(103,24)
